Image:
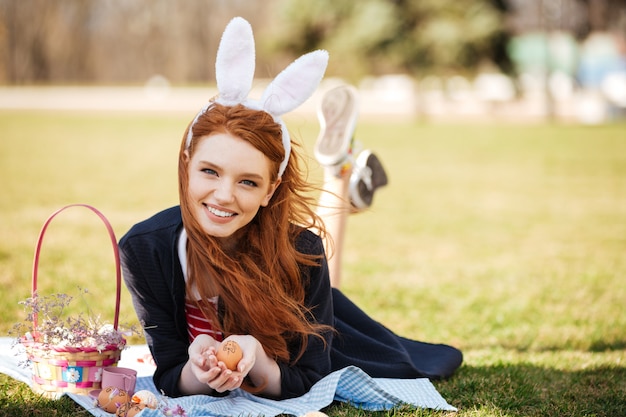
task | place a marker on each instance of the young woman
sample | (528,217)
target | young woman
(238,260)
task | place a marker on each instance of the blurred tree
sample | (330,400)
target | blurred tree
(116,41)
(129,41)
(382,36)
(35,36)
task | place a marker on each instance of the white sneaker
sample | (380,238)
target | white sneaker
(337,114)
(368,174)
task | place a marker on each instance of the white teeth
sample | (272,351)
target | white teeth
(219,213)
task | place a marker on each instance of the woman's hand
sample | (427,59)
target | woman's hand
(207,370)
(263,371)
(207,367)
(203,370)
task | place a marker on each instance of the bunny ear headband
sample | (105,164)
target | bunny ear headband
(234,71)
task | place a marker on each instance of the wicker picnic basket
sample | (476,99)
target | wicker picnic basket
(56,369)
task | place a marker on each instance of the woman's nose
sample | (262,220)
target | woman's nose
(224,192)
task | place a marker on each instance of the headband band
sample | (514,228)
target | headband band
(234,72)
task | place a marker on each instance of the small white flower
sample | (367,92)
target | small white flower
(98,375)
(73,375)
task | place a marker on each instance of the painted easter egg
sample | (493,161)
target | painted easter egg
(111,398)
(230,353)
(129,410)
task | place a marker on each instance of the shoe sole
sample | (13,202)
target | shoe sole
(361,196)
(337,114)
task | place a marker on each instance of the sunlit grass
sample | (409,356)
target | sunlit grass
(506,241)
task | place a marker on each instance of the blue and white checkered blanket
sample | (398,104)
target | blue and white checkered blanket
(350,385)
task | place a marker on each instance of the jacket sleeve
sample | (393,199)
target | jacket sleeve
(314,364)
(147,270)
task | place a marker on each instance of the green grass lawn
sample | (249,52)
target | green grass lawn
(508,242)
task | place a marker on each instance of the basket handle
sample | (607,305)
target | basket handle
(115,252)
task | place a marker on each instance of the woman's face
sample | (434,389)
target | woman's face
(229,180)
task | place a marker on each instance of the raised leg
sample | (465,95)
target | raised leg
(349,182)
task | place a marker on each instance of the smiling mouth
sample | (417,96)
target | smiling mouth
(219,213)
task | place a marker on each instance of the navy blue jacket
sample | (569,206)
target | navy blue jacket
(154,277)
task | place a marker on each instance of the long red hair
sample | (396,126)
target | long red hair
(259,284)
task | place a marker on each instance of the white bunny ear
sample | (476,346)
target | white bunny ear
(234,65)
(295,84)
(234,72)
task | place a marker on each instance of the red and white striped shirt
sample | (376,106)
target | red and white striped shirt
(197,324)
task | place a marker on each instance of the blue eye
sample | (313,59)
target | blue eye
(208,171)
(250,183)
